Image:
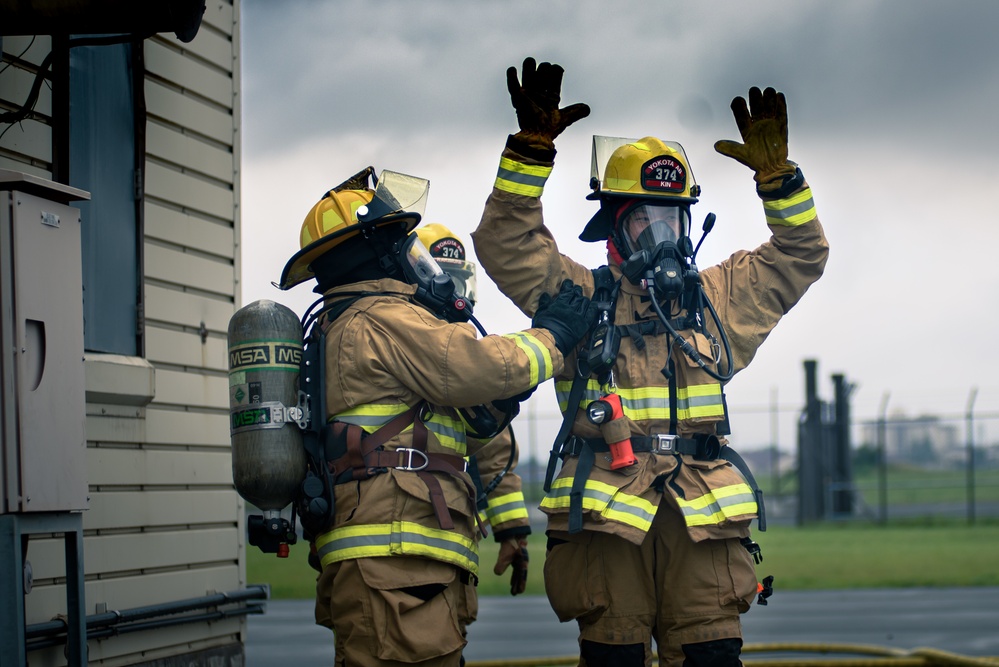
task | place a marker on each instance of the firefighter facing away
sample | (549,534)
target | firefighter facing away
(410,390)
(649,514)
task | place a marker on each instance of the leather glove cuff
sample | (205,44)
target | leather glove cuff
(786,188)
(532,146)
(510,533)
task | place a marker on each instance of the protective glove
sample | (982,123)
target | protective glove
(513,552)
(763,126)
(313,558)
(536,97)
(568,316)
(512,404)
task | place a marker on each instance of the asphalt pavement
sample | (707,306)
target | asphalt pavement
(963,621)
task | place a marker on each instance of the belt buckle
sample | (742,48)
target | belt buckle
(408,467)
(665,443)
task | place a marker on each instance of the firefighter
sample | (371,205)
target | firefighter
(406,381)
(492,466)
(649,518)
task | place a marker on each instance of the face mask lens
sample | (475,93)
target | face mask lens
(647,225)
(419,264)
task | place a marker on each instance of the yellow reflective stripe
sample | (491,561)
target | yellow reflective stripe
(795,210)
(450,432)
(399,538)
(719,505)
(700,400)
(606,500)
(538,356)
(505,508)
(372,416)
(521,179)
(647,403)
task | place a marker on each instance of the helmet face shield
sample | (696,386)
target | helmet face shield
(644,225)
(396,194)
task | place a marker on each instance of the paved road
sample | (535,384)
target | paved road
(964,621)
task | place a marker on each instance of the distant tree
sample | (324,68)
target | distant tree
(865,457)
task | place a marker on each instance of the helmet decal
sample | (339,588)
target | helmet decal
(447,248)
(664,174)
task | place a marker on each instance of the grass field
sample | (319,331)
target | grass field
(836,556)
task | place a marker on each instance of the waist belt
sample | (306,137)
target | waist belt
(364,456)
(703,446)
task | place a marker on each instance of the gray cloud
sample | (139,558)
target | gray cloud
(849,68)
(891,106)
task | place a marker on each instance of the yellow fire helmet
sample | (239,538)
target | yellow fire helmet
(449,253)
(353,207)
(646,168)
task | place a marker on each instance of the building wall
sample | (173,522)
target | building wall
(164,522)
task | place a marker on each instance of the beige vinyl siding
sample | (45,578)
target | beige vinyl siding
(165,428)
(164,522)
(174,483)
(179,227)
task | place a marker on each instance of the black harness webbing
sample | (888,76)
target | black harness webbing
(603,288)
(572,407)
(736,459)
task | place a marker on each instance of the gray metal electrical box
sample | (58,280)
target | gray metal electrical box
(42,384)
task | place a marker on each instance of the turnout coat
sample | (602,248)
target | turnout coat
(750,291)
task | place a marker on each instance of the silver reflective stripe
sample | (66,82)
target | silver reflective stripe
(537,354)
(790,211)
(516,508)
(392,540)
(714,512)
(603,500)
(367,421)
(521,178)
(448,432)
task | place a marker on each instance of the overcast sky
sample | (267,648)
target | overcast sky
(892,117)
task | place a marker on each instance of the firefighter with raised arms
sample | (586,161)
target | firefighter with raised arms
(649,514)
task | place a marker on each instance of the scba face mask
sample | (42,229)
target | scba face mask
(435,288)
(655,238)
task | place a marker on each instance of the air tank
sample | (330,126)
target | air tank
(265,353)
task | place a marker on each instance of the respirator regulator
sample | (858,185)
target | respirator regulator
(435,288)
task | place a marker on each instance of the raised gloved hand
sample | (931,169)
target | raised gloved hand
(763,126)
(513,552)
(568,316)
(536,98)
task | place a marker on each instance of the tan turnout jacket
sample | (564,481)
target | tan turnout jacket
(750,291)
(385,354)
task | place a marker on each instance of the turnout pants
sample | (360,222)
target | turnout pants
(394,611)
(669,588)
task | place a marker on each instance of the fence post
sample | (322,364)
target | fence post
(774,449)
(970,420)
(883,460)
